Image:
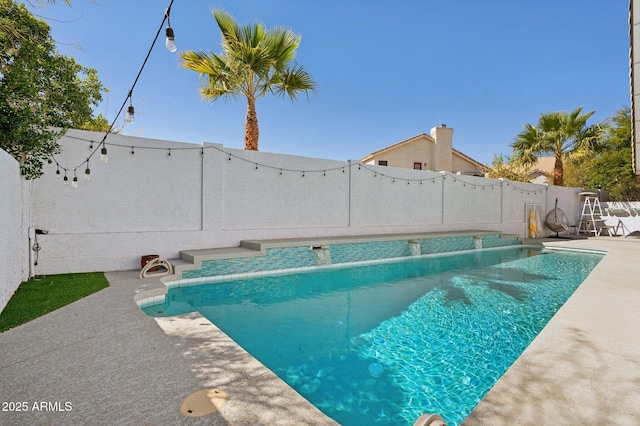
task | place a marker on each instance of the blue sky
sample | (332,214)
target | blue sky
(386,70)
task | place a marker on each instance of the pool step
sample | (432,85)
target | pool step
(199,255)
(192,259)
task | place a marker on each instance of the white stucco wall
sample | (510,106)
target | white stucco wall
(13,241)
(153,203)
(388,196)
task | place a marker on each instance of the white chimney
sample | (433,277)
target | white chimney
(443,136)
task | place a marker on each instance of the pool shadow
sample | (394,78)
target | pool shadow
(512,274)
(508,289)
(455,294)
(495,279)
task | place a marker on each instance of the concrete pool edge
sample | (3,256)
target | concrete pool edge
(114,365)
(584,366)
(249,384)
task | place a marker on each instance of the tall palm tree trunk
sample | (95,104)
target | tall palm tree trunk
(558,171)
(251,131)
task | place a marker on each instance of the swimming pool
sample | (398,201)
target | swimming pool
(384,343)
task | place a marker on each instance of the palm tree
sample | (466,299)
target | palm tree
(254,62)
(562,134)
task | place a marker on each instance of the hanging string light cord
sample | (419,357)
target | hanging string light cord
(101,145)
(376,173)
(135,82)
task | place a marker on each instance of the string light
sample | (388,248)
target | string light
(103,153)
(130,116)
(229,156)
(87,172)
(170,42)
(74,182)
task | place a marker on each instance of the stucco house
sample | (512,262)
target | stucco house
(433,152)
(542,171)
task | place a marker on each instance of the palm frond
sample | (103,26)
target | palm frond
(218,80)
(282,45)
(293,81)
(227,25)
(252,35)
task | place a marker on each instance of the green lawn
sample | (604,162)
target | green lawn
(45,293)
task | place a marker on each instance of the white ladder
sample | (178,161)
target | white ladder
(591,216)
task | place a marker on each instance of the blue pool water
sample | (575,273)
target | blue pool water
(385,343)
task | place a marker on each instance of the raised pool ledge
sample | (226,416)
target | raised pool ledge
(261,257)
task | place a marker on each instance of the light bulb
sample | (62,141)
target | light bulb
(65,179)
(87,174)
(170,43)
(103,154)
(74,182)
(129,117)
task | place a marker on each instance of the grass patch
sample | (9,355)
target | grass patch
(46,293)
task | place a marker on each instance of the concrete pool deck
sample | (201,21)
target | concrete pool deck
(584,367)
(114,365)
